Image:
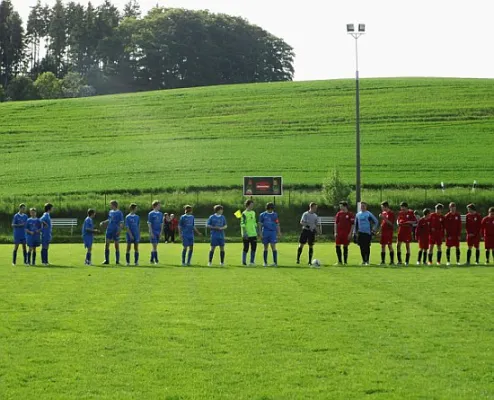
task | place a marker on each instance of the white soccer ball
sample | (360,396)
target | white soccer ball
(316,263)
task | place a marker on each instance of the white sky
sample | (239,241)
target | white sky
(404,38)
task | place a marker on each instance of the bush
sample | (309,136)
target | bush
(2,94)
(72,84)
(21,88)
(87,91)
(334,189)
(48,86)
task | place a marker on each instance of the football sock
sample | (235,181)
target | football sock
(33,258)
(211,255)
(136,257)
(338,253)
(487,254)
(244,257)
(275,256)
(383,257)
(117,257)
(46,256)
(477,255)
(430,256)
(25,256)
(29,257)
(420,256)
(107,256)
(265,256)
(311,254)
(392,257)
(439,255)
(43,256)
(362,254)
(189,256)
(184,254)
(127,258)
(425,256)
(458,255)
(448,254)
(469,255)
(299,253)
(222,257)
(88,257)
(156,256)
(252,256)
(345,253)
(14,256)
(407,258)
(398,257)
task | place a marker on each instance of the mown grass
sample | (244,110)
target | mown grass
(414,131)
(73,332)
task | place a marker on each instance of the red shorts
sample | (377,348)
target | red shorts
(423,242)
(489,243)
(405,237)
(386,238)
(436,240)
(342,239)
(473,241)
(452,241)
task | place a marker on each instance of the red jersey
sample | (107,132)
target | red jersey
(473,223)
(487,227)
(344,221)
(385,227)
(452,224)
(436,224)
(403,218)
(423,228)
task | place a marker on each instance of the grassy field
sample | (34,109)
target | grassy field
(73,332)
(415,131)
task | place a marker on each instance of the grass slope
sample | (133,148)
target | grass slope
(72,332)
(414,131)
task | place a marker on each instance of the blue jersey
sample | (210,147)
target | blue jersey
(46,227)
(187,224)
(87,227)
(269,221)
(132,223)
(115,218)
(155,220)
(217,221)
(33,225)
(365,221)
(19,231)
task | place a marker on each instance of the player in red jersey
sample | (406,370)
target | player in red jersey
(436,236)
(387,227)
(422,234)
(452,225)
(343,231)
(487,228)
(406,221)
(473,222)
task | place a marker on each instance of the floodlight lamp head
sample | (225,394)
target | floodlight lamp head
(350,28)
(361,28)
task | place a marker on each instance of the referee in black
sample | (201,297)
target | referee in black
(309,230)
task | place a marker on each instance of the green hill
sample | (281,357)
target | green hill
(415,131)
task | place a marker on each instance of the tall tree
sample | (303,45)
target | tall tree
(58,35)
(35,31)
(11,42)
(76,35)
(132,9)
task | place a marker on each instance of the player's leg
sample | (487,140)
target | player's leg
(311,248)
(383,251)
(439,252)
(398,252)
(245,250)
(300,250)
(211,254)
(14,253)
(127,252)
(29,254)
(431,252)
(391,254)
(33,255)
(222,254)
(117,250)
(24,250)
(184,254)
(89,250)
(345,254)
(425,255)
(448,255)
(107,249)
(275,253)
(253,249)
(265,253)
(477,252)
(458,254)
(136,253)
(407,255)
(339,253)
(190,253)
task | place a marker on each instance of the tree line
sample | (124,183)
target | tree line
(72,50)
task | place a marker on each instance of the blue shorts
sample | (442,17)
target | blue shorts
(88,242)
(33,242)
(136,239)
(188,241)
(45,241)
(269,238)
(20,240)
(217,241)
(113,235)
(156,237)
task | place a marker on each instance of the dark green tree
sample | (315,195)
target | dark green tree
(21,88)
(58,35)
(11,42)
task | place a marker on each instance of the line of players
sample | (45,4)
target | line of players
(431,229)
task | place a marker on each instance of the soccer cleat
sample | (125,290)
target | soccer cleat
(406,264)
(458,263)
(210,264)
(448,264)
(438,263)
(273,265)
(184,265)
(298,261)
(399,264)
(244,264)
(264,265)
(252,264)
(13,264)
(337,264)
(127,264)
(136,264)
(188,264)
(156,263)
(418,263)
(118,263)
(105,263)
(222,264)
(429,263)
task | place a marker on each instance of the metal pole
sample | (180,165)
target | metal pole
(357,87)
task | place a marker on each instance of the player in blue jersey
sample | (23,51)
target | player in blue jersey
(217,225)
(270,231)
(33,235)
(133,235)
(88,232)
(19,225)
(46,233)
(114,225)
(155,224)
(186,229)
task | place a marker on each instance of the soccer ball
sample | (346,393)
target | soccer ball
(316,263)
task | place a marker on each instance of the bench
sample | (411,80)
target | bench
(202,223)
(321,221)
(64,223)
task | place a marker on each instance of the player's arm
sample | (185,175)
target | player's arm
(210,226)
(303,220)
(197,231)
(375,220)
(15,224)
(278,228)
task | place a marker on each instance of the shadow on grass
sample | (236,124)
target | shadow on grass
(51,266)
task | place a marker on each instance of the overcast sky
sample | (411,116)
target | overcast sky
(404,38)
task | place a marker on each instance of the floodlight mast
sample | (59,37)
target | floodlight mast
(350,28)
